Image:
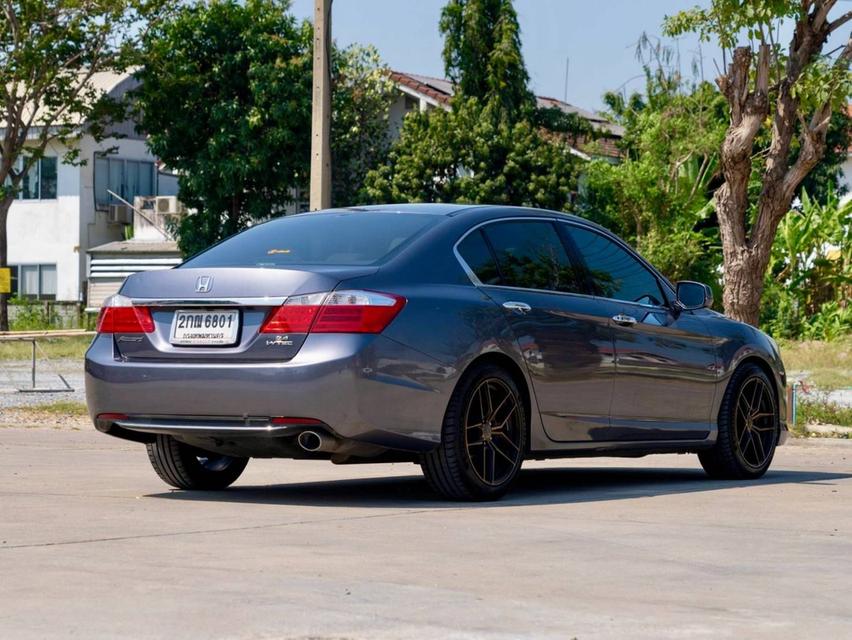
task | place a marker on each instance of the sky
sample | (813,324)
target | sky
(597,38)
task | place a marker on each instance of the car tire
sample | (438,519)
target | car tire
(456,469)
(187,467)
(748,428)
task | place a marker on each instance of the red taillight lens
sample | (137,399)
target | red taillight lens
(296,315)
(118,315)
(336,312)
(357,312)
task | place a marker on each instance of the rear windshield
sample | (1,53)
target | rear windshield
(345,239)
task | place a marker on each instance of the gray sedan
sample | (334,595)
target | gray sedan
(462,338)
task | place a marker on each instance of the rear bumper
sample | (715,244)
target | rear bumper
(366,388)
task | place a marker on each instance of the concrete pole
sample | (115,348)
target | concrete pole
(321,108)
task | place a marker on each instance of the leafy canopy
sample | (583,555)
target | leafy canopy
(658,197)
(460,156)
(482,55)
(494,145)
(225,99)
(50,52)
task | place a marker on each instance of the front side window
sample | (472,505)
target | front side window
(613,271)
(531,255)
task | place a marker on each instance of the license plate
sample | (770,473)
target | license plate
(209,327)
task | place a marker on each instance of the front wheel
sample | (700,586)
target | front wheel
(748,428)
(187,467)
(482,440)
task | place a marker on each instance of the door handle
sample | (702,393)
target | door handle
(623,320)
(517,307)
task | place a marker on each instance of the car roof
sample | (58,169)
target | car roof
(454,209)
(429,208)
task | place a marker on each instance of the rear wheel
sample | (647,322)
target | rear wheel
(187,467)
(482,440)
(748,428)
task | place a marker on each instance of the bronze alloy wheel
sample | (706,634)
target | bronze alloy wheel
(755,428)
(483,437)
(493,431)
(748,427)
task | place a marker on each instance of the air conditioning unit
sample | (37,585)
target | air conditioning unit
(168,204)
(120,214)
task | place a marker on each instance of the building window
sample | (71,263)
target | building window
(126,178)
(39,183)
(36,281)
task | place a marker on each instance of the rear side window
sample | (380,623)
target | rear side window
(531,255)
(614,272)
(479,258)
(340,239)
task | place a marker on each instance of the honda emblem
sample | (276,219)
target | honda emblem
(204,284)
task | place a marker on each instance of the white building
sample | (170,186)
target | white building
(63,209)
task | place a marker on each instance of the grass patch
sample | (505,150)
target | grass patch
(53,348)
(828,364)
(823,412)
(60,408)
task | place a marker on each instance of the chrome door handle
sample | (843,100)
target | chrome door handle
(623,320)
(517,307)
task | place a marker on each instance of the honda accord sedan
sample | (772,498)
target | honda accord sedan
(462,338)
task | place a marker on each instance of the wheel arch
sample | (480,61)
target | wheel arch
(764,366)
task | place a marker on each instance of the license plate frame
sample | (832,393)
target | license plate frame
(202,328)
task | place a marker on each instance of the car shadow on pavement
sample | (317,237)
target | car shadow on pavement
(534,487)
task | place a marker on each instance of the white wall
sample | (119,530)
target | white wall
(61,231)
(48,231)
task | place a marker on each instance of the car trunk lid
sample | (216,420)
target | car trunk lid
(245,295)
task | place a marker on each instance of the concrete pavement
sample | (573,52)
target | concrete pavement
(93,545)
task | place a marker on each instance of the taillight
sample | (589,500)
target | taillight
(357,312)
(335,312)
(296,315)
(118,315)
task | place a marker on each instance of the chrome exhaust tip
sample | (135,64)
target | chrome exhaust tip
(312,441)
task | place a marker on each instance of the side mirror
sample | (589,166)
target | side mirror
(694,295)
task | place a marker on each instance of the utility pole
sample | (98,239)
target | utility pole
(321,108)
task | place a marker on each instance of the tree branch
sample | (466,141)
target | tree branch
(846,17)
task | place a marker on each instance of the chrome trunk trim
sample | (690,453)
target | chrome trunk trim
(264,301)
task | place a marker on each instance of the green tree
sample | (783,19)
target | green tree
(361,99)
(225,99)
(482,55)
(780,102)
(50,50)
(493,145)
(659,196)
(460,156)
(810,272)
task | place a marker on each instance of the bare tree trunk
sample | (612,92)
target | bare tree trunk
(746,248)
(5,203)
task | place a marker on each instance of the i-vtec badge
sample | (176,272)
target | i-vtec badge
(204,284)
(280,341)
